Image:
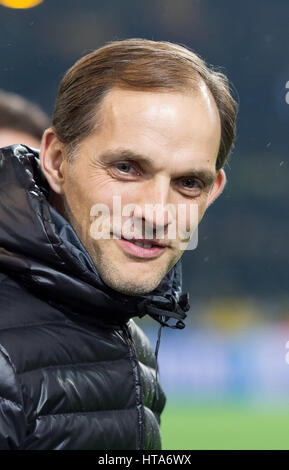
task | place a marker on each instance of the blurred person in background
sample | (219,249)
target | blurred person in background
(21,121)
(148,122)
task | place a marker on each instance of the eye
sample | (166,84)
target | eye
(191,185)
(125,167)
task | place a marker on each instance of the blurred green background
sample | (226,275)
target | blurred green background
(227,426)
(225,375)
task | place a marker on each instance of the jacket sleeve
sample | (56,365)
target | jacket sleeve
(12,417)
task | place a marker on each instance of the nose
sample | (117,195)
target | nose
(154,207)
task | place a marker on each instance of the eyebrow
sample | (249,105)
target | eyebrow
(208,177)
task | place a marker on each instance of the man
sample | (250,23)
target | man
(21,121)
(145,122)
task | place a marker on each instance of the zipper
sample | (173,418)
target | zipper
(137,380)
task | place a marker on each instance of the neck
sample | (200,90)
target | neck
(56,200)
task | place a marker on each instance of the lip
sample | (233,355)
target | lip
(154,242)
(139,251)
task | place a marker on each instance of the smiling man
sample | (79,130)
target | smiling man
(143,122)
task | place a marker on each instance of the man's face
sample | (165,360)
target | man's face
(149,148)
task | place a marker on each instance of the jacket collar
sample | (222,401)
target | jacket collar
(41,249)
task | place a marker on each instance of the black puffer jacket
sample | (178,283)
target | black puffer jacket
(76,372)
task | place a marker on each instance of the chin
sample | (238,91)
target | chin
(131,288)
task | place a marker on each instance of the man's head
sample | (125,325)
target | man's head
(21,121)
(147,122)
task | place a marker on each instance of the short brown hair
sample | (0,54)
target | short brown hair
(139,64)
(20,114)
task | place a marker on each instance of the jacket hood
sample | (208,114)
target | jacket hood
(41,249)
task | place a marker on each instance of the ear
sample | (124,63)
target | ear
(53,160)
(218,186)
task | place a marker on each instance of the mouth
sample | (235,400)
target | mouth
(142,248)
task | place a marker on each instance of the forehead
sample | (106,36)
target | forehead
(167,125)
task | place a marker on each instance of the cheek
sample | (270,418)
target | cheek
(83,192)
(190,214)
(202,207)
(106,210)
